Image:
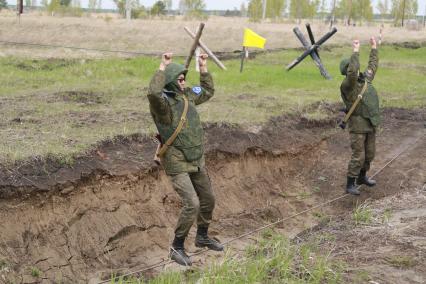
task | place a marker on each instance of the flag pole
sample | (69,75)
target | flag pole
(243,55)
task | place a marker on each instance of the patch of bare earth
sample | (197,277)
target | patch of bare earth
(114,210)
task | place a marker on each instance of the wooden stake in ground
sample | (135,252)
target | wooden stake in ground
(243,55)
(206,49)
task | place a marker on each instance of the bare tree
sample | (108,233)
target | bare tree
(383,7)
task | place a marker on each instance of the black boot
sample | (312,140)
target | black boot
(178,254)
(364,179)
(351,187)
(202,240)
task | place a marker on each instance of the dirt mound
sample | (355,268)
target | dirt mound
(114,210)
(45,65)
(86,98)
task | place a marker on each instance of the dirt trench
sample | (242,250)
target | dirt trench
(114,211)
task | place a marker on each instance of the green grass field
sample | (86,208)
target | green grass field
(272,259)
(63,107)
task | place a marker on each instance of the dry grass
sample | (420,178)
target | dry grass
(220,34)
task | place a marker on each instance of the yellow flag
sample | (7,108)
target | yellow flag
(252,39)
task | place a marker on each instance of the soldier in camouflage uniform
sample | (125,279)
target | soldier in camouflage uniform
(184,159)
(366,117)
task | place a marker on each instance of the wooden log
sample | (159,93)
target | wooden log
(207,50)
(313,55)
(311,48)
(311,37)
(194,45)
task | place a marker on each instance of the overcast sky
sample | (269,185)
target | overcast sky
(216,4)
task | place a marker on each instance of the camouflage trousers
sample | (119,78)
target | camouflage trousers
(197,199)
(363,150)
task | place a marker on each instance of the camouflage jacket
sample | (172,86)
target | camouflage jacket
(186,154)
(366,116)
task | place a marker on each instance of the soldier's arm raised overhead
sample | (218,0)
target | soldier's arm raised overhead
(157,101)
(373,62)
(350,69)
(353,68)
(206,89)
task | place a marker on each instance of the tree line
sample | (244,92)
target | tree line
(349,11)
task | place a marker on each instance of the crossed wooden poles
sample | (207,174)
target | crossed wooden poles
(311,49)
(196,43)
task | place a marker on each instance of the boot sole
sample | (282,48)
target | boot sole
(181,263)
(206,246)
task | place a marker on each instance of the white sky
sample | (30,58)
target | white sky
(217,4)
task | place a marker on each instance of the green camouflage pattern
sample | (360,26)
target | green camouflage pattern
(366,116)
(198,200)
(186,154)
(363,150)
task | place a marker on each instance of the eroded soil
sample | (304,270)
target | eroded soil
(114,210)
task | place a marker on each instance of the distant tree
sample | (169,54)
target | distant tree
(232,13)
(3,4)
(194,8)
(92,5)
(345,10)
(99,5)
(53,6)
(76,3)
(300,9)
(275,8)
(255,10)
(404,9)
(383,7)
(323,8)
(139,12)
(28,3)
(168,4)
(352,10)
(159,8)
(182,7)
(33,3)
(65,3)
(123,4)
(363,10)
(243,9)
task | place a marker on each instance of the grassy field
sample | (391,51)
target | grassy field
(157,35)
(272,259)
(62,107)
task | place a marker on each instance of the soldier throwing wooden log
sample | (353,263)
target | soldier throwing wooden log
(172,107)
(363,117)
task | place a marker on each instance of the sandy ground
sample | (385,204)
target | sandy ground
(114,213)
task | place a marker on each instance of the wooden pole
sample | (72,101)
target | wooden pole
(314,54)
(194,45)
(243,55)
(207,50)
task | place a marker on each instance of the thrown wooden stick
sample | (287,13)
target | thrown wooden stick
(194,45)
(207,50)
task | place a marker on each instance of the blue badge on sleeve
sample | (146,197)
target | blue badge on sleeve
(197,90)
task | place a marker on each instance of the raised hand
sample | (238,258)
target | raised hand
(166,59)
(355,45)
(373,42)
(202,62)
